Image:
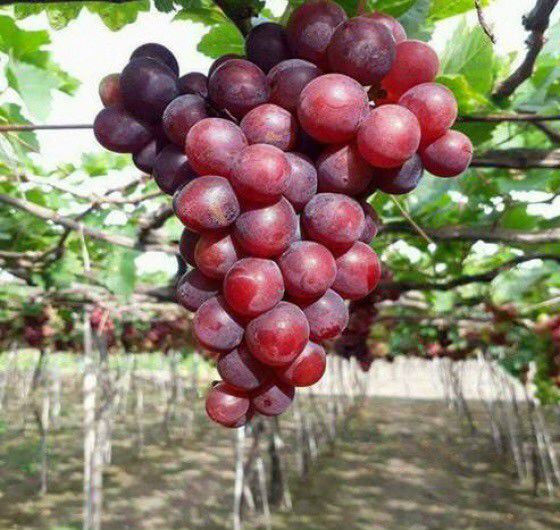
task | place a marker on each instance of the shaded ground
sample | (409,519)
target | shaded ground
(398,464)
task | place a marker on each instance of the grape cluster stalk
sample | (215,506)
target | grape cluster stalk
(270,160)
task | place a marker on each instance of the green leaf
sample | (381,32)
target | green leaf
(441,9)
(22,142)
(221,39)
(395,8)
(517,218)
(19,43)
(116,16)
(121,271)
(165,6)
(61,14)
(415,21)
(209,16)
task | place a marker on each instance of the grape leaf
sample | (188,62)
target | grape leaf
(415,21)
(221,39)
(441,9)
(116,16)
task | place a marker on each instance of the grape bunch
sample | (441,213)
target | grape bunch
(270,160)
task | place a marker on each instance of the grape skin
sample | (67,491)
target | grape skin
(400,180)
(270,124)
(145,158)
(238,86)
(194,289)
(242,370)
(206,203)
(266,45)
(327,316)
(215,326)
(310,29)
(193,83)
(171,169)
(389,136)
(371,225)
(287,79)
(278,336)
(357,272)
(222,60)
(301,184)
(147,87)
(215,253)
(118,131)
(341,169)
(392,24)
(110,91)
(213,145)
(362,49)
(180,115)
(331,108)
(187,244)
(449,155)
(227,406)
(253,286)
(158,52)
(273,398)
(307,368)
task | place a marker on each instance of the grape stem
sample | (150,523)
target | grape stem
(408,217)
(482,21)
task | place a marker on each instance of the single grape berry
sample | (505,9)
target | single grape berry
(310,29)
(145,158)
(389,136)
(120,132)
(371,225)
(187,244)
(273,398)
(238,86)
(327,316)
(266,232)
(434,106)
(270,124)
(157,52)
(341,169)
(215,253)
(147,87)
(400,180)
(334,220)
(307,368)
(222,60)
(215,327)
(253,286)
(180,115)
(193,83)
(110,91)
(362,49)
(206,203)
(416,62)
(194,289)
(266,45)
(357,272)
(301,184)
(287,79)
(308,268)
(391,23)
(213,145)
(278,336)
(228,406)
(171,169)
(331,108)
(449,155)
(242,370)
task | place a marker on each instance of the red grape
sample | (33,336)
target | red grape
(400,180)
(302,180)
(327,316)
(341,169)
(392,24)
(240,369)
(270,124)
(307,368)
(213,145)
(215,327)
(449,155)
(145,158)
(238,86)
(389,136)
(434,106)
(172,170)
(362,49)
(159,53)
(187,244)
(180,115)
(266,45)
(222,60)
(416,62)
(118,131)
(371,225)
(287,79)
(273,398)
(253,286)
(206,203)
(194,289)
(358,272)
(147,87)
(260,174)
(266,232)
(110,91)
(331,108)
(278,336)
(227,405)
(308,269)
(310,29)
(215,253)
(334,220)
(193,83)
